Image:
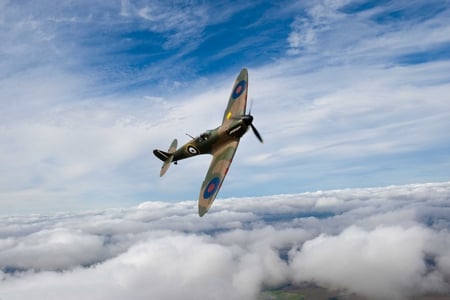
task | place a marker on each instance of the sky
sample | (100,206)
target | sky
(345,94)
(349,192)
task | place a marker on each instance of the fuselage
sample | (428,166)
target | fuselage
(213,139)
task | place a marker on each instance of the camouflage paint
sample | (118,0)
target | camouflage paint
(220,142)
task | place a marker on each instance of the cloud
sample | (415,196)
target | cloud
(385,263)
(56,249)
(375,32)
(384,243)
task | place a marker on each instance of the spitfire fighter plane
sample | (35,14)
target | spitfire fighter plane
(221,142)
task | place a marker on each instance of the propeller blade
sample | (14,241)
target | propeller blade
(258,136)
(251,106)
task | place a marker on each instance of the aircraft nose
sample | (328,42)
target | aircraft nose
(247,119)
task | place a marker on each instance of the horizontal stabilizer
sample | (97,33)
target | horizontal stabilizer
(166,157)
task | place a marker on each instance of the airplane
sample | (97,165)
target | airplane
(220,142)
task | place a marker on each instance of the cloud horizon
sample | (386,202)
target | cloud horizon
(380,243)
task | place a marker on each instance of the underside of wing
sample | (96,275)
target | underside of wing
(217,171)
(238,99)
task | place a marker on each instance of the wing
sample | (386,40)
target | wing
(217,171)
(238,99)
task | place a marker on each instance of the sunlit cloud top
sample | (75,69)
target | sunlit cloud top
(380,243)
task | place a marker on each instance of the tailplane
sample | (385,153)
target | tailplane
(166,157)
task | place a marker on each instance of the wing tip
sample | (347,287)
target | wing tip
(202,210)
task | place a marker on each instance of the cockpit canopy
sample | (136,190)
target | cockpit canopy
(204,136)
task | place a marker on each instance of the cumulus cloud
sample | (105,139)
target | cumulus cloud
(56,249)
(385,263)
(381,243)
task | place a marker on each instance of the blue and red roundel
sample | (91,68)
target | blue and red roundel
(239,89)
(211,188)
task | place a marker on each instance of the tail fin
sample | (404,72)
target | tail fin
(162,155)
(166,157)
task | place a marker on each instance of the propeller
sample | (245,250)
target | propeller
(248,119)
(258,136)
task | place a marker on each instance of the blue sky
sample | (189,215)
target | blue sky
(346,94)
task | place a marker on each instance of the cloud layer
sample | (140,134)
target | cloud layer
(382,243)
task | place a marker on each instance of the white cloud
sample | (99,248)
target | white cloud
(385,243)
(181,23)
(302,36)
(56,249)
(385,263)
(308,30)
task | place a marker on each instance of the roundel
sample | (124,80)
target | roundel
(239,89)
(192,150)
(211,187)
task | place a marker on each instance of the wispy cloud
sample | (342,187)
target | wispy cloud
(88,91)
(333,30)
